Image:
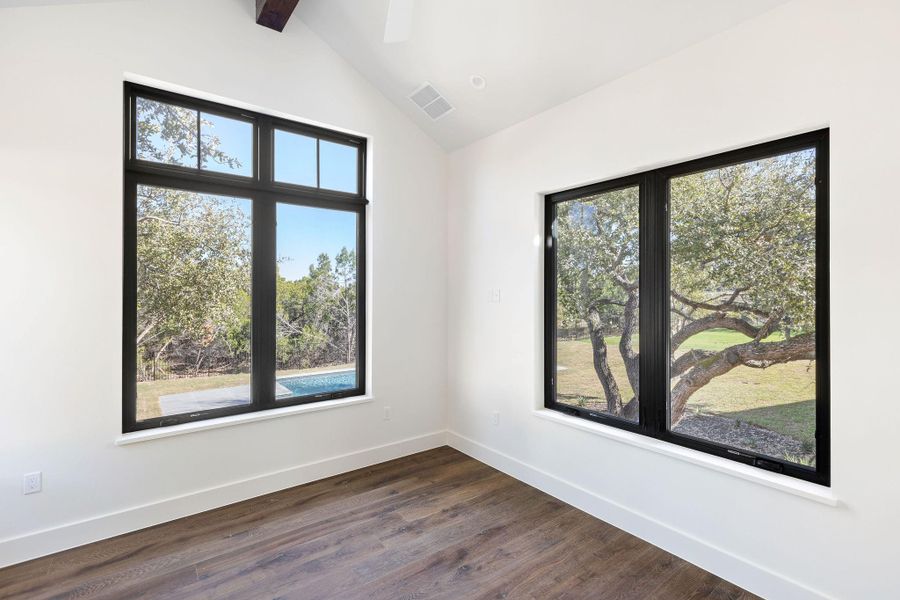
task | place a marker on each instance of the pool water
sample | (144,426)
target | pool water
(316,383)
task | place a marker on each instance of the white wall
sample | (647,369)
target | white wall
(805,65)
(61,73)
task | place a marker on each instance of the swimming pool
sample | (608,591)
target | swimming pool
(316,383)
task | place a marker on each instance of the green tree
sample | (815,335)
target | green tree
(193,250)
(316,314)
(598,281)
(345,302)
(742,253)
(193,270)
(168,134)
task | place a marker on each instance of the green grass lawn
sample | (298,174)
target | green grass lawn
(148,392)
(780,398)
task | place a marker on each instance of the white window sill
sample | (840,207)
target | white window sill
(275,413)
(790,485)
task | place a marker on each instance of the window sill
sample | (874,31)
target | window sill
(789,485)
(275,413)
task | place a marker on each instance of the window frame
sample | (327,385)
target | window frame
(654,310)
(264,194)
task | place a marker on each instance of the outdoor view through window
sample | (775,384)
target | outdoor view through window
(316,325)
(246,278)
(720,258)
(193,295)
(743,299)
(597,294)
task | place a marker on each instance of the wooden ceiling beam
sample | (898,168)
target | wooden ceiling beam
(274,14)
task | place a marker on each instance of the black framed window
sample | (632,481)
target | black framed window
(690,304)
(244,281)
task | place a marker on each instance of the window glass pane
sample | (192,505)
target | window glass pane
(193,302)
(743,281)
(597,245)
(226,145)
(166,133)
(316,335)
(295,158)
(337,168)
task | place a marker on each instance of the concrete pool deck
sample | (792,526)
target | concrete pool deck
(188,402)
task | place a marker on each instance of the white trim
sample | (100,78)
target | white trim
(747,574)
(55,539)
(184,90)
(264,415)
(790,485)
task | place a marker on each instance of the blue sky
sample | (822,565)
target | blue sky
(303,232)
(295,162)
(295,154)
(235,140)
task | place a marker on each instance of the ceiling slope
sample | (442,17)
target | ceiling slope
(533,54)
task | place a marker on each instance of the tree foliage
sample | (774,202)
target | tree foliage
(194,271)
(742,252)
(316,315)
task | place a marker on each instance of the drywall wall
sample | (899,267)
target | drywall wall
(61,73)
(805,65)
(802,66)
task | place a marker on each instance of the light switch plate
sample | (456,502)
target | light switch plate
(31,483)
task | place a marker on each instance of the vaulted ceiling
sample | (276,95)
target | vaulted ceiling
(530,54)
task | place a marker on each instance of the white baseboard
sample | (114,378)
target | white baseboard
(41,543)
(750,576)
(744,573)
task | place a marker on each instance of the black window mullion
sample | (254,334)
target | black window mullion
(263,302)
(265,150)
(264,275)
(130,110)
(318,163)
(199,162)
(653,307)
(549,305)
(823,296)
(129,305)
(361,300)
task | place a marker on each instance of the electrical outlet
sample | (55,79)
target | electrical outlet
(494,296)
(495,418)
(387,413)
(31,483)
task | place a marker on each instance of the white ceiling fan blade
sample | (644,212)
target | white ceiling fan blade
(398,25)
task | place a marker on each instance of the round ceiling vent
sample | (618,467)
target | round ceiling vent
(478,82)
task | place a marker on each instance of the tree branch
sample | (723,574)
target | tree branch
(752,354)
(688,360)
(730,305)
(601,364)
(718,320)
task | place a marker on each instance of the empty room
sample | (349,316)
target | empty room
(449,299)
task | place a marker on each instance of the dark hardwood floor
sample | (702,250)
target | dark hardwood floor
(433,525)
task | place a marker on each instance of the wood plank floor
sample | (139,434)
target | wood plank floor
(433,525)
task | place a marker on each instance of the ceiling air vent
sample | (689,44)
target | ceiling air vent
(430,100)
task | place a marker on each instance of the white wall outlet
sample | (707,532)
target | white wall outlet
(494,296)
(31,483)
(387,413)
(495,418)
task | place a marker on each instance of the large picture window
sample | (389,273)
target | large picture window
(690,304)
(244,261)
